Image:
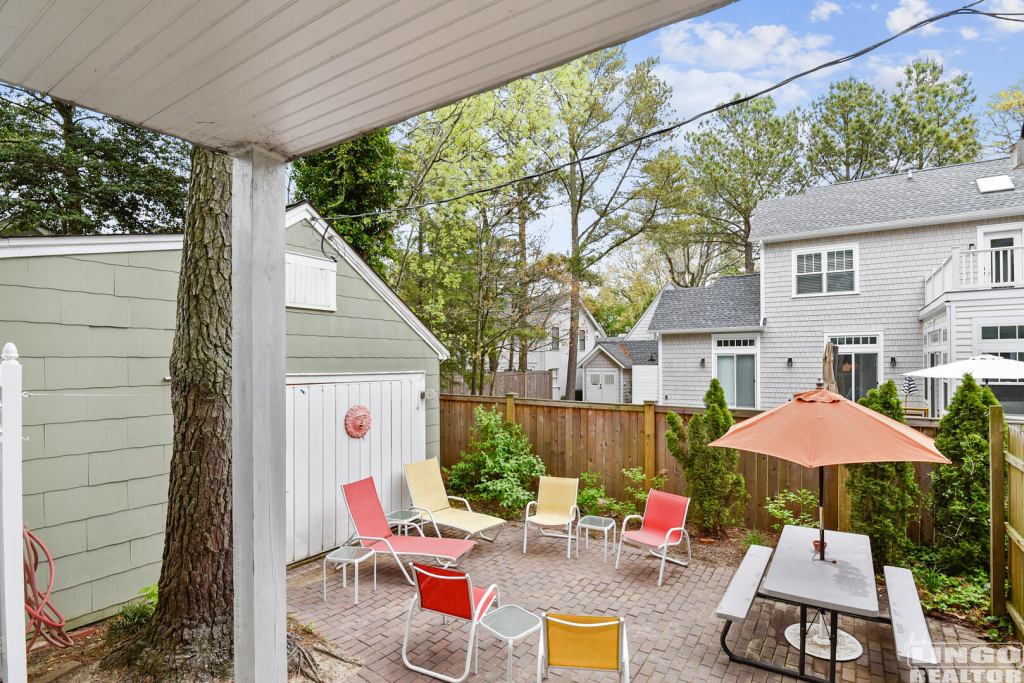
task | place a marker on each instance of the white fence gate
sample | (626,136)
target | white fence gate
(322,456)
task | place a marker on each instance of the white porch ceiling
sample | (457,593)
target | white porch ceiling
(297,76)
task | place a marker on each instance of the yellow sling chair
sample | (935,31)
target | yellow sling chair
(431,500)
(583,642)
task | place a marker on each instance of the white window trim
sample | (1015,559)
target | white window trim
(330,292)
(862,348)
(823,250)
(980,346)
(982,230)
(754,350)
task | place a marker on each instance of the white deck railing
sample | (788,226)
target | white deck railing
(12,573)
(976,269)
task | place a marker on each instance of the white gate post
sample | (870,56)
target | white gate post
(12,598)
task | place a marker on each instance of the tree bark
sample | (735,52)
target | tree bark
(190,636)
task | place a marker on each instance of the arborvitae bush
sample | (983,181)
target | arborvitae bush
(714,485)
(883,495)
(960,490)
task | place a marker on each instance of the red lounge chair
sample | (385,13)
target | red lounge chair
(664,519)
(374,531)
(450,594)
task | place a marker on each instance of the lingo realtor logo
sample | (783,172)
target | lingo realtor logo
(965,662)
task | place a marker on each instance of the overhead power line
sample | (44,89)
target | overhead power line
(966,10)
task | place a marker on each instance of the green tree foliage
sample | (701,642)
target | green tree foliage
(70,171)
(849,132)
(932,120)
(883,494)
(743,155)
(500,464)
(960,490)
(1005,114)
(356,177)
(714,485)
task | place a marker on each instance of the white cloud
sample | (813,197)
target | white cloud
(969,34)
(823,10)
(697,90)
(1010,7)
(908,13)
(767,50)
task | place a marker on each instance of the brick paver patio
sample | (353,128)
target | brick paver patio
(673,633)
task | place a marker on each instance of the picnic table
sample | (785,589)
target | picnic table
(844,583)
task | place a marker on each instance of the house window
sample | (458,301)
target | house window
(583,340)
(735,366)
(554,339)
(825,271)
(858,363)
(1004,338)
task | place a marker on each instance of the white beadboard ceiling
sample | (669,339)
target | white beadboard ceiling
(297,76)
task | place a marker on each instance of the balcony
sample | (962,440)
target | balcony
(974,269)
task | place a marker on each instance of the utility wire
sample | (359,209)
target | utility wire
(966,10)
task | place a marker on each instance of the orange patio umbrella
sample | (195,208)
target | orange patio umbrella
(819,428)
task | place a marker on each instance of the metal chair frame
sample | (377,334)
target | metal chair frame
(663,548)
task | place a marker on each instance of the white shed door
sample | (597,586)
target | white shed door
(321,456)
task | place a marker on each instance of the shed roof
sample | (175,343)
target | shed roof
(297,77)
(625,353)
(934,195)
(733,302)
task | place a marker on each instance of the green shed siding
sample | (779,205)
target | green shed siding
(96,468)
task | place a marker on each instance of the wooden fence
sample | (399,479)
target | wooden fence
(532,384)
(572,438)
(1007,452)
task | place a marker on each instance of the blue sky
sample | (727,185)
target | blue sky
(752,43)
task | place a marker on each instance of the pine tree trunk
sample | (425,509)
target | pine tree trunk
(191,634)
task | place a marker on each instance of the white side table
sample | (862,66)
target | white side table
(344,556)
(509,623)
(595,523)
(403,518)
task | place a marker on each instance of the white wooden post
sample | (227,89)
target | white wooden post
(12,600)
(258,414)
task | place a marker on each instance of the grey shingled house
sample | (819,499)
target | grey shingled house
(899,272)
(93,318)
(617,370)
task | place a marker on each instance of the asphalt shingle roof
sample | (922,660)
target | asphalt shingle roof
(630,353)
(932,193)
(733,301)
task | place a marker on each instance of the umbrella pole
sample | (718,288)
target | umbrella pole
(821,512)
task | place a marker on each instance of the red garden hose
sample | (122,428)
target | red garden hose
(44,619)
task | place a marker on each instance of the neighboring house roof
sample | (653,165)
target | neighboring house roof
(732,303)
(15,247)
(936,195)
(625,353)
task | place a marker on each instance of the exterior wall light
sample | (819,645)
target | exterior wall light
(789,362)
(892,362)
(702,362)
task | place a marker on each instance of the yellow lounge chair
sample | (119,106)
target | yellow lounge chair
(431,500)
(556,509)
(580,642)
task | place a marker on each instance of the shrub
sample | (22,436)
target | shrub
(883,494)
(755,537)
(713,483)
(500,465)
(591,498)
(133,616)
(960,490)
(778,507)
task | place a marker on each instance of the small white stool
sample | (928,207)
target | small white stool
(509,623)
(345,556)
(595,523)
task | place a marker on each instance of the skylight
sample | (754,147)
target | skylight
(996,183)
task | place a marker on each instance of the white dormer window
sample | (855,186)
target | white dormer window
(819,271)
(310,283)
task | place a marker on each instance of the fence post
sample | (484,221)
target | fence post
(997,512)
(510,407)
(13,665)
(649,453)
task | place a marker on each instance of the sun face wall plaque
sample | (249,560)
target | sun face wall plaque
(357,421)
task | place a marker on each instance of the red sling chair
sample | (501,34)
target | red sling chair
(663,522)
(450,594)
(374,531)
